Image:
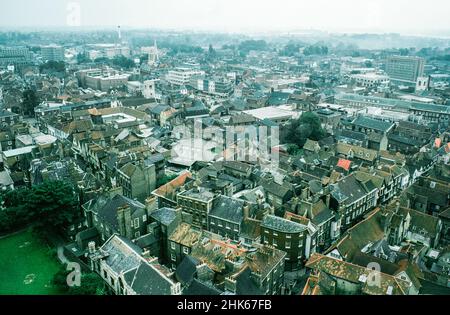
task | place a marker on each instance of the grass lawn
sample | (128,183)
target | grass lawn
(26,266)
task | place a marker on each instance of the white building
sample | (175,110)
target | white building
(370,79)
(182,75)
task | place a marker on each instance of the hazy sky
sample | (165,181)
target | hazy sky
(405,16)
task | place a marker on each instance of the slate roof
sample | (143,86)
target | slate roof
(321,213)
(187,269)
(199,288)
(146,240)
(237,166)
(123,255)
(358,152)
(282,225)
(348,189)
(355,135)
(360,235)
(371,123)
(276,189)
(421,221)
(278,98)
(245,285)
(165,215)
(106,208)
(228,208)
(147,280)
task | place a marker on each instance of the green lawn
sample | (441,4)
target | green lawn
(26,266)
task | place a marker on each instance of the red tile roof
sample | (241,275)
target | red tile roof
(345,164)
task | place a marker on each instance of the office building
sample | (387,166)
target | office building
(52,53)
(182,75)
(102,79)
(14,56)
(405,70)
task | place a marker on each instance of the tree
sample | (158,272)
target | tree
(123,62)
(53,66)
(90,284)
(211,50)
(308,126)
(165,179)
(404,51)
(82,58)
(248,45)
(291,49)
(315,50)
(312,121)
(293,149)
(30,101)
(55,203)
(50,204)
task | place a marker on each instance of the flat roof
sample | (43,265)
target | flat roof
(18,151)
(271,112)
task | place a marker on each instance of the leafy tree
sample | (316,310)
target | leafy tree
(30,101)
(50,204)
(291,49)
(82,58)
(248,45)
(308,126)
(315,50)
(164,180)
(101,60)
(211,50)
(53,66)
(368,64)
(226,46)
(90,283)
(55,203)
(404,51)
(293,149)
(123,62)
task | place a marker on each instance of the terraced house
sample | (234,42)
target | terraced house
(296,239)
(352,199)
(196,202)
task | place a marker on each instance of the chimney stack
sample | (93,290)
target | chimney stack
(246,211)
(91,247)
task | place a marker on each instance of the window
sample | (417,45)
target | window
(144,218)
(137,234)
(287,244)
(173,257)
(186,250)
(172,245)
(136,223)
